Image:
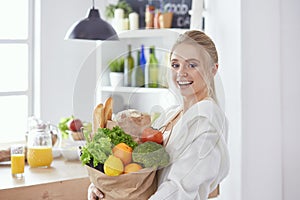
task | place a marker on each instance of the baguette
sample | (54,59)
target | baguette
(108,106)
(102,114)
(98,117)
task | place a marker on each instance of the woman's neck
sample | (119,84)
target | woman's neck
(189,102)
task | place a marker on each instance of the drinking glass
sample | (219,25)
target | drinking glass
(17,155)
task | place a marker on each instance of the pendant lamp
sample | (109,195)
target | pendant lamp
(92,28)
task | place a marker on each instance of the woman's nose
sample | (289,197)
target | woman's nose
(181,71)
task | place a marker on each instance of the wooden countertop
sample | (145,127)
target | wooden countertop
(63,180)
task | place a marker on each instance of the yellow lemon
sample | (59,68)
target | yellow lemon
(113,166)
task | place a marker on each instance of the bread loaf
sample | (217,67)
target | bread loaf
(4,155)
(98,117)
(133,122)
(102,114)
(108,107)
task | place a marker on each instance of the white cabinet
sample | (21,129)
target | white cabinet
(144,99)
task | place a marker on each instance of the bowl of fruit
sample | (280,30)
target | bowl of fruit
(74,128)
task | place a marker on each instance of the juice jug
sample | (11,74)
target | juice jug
(39,146)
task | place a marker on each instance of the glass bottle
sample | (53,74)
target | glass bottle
(152,69)
(163,70)
(128,67)
(143,60)
(137,76)
(143,63)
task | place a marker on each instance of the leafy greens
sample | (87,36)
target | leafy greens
(117,135)
(100,146)
(97,149)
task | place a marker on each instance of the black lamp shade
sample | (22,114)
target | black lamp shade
(93,28)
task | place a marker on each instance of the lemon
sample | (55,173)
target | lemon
(113,166)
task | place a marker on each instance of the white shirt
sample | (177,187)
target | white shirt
(198,151)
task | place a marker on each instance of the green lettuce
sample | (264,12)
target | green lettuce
(96,149)
(117,135)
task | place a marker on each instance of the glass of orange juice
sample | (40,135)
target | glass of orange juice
(17,156)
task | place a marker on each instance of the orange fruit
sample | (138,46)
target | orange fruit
(124,152)
(132,167)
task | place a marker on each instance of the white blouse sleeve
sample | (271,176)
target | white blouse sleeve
(196,169)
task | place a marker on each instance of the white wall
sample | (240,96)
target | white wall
(258,44)
(62,61)
(290,84)
(261,100)
(223,25)
(270,97)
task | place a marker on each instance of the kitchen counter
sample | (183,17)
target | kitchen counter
(63,180)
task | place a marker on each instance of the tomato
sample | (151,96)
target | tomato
(151,134)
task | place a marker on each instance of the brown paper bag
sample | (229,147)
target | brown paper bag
(132,186)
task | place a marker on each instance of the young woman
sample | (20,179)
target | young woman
(195,132)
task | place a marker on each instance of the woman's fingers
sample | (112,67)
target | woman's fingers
(93,196)
(94,193)
(97,193)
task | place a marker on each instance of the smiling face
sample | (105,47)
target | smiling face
(191,71)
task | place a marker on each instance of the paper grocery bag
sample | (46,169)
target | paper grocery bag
(132,186)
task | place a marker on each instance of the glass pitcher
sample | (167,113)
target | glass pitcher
(39,143)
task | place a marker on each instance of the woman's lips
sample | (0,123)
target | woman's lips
(184,83)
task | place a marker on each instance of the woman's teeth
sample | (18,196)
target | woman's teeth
(183,83)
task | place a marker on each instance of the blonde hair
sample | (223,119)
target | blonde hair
(200,38)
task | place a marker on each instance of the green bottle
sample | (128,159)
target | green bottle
(128,67)
(152,69)
(137,76)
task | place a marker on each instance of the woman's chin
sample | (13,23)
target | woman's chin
(185,90)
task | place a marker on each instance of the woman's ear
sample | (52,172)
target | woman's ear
(215,68)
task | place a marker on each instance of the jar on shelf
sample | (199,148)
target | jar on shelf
(149,16)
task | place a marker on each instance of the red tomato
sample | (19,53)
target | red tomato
(151,134)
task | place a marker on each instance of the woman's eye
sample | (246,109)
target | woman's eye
(175,65)
(192,65)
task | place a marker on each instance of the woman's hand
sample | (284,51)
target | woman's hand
(94,193)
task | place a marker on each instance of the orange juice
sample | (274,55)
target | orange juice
(17,163)
(39,156)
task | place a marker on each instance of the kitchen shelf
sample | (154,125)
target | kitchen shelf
(146,33)
(152,33)
(140,98)
(134,90)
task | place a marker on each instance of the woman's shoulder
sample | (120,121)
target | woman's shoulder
(210,110)
(166,115)
(205,107)
(172,109)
